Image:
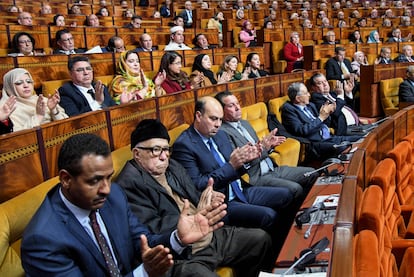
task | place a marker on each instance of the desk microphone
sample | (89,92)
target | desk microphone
(319,206)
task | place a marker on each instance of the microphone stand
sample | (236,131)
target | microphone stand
(297,262)
(309,173)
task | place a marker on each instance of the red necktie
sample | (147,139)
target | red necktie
(103,245)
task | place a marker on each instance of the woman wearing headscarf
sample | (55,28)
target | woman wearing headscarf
(31,110)
(202,65)
(175,79)
(373,37)
(131,80)
(248,34)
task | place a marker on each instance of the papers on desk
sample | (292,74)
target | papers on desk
(329,201)
(316,274)
(96,49)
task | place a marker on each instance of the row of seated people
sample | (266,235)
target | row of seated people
(384,216)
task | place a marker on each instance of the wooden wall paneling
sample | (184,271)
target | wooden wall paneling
(276,34)
(78,34)
(356,168)
(4,38)
(211,90)
(56,132)
(156,57)
(6,63)
(20,163)
(244,90)
(370,147)
(401,70)
(244,52)
(212,35)
(131,36)
(39,33)
(98,36)
(220,53)
(287,79)
(342,252)
(367,93)
(103,63)
(312,34)
(124,119)
(176,109)
(410,119)
(267,88)
(161,36)
(45,68)
(368,48)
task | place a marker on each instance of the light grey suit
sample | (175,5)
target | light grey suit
(282,176)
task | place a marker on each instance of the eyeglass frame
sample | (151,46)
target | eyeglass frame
(155,149)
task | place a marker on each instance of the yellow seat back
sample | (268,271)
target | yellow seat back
(389,95)
(276,104)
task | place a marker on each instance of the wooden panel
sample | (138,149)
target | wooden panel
(289,78)
(98,36)
(274,35)
(4,39)
(220,53)
(244,90)
(45,68)
(267,88)
(39,33)
(385,138)
(211,90)
(125,118)
(20,163)
(342,252)
(102,64)
(55,133)
(131,36)
(176,109)
(400,126)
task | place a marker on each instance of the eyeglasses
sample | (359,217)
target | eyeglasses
(25,41)
(67,39)
(156,150)
(83,69)
(21,82)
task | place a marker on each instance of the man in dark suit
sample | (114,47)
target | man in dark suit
(384,56)
(145,42)
(406,55)
(84,227)
(338,67)
(206,152)
(262,171)
(187,14)
(82,95)
(157,186)
(406,91)
(302,119)
(343,115)
(66,43)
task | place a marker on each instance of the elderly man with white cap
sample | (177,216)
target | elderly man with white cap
(176,40)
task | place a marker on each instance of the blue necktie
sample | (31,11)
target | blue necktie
(234,185)
(325,130)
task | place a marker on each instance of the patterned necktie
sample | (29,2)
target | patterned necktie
(234,185)
(344,68)
(91,93)
(325,133)
(103,245)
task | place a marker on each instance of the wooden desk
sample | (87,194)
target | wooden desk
(295,241)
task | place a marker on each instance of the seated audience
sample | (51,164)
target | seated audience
(13,9)
(131,79)
(6,108)
(202,65)
(115,45)
(228,70)
(396,36)
(406,55)
(45,9)
(248,34)
(24,45)
(59,20)
(128,13)
(330,38)
(301,118)
(406,91)
(355,37)
(359,59)
(187,14)
(373,37)
(25,19)
(31,110)
(92,21)
(176,39)
(268,24)
(253,66)
(75,10)
(135,23)
(201,43)
(307,24)
(84,229)
(154,181)
(145,42)
(177,21)
(66,43)
(293,53)
(103,12)
(384,56)
(338,67)
(240,14)
(82,94)
(205,152)
(174,78)
(165,9)
(344,114)
(386,22)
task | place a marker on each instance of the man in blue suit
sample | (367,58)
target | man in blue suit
(62,238)
(206,152)
(301,118)
(82,95)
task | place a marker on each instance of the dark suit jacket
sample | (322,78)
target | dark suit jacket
(77,50)
(165,11)
(402,59)
(385,61)
(74,103)
(151,202)
(185,16)
(140,49)
(334,71)
(55,244)
(298,124)
(338,120)
(406,92)
(191,152)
